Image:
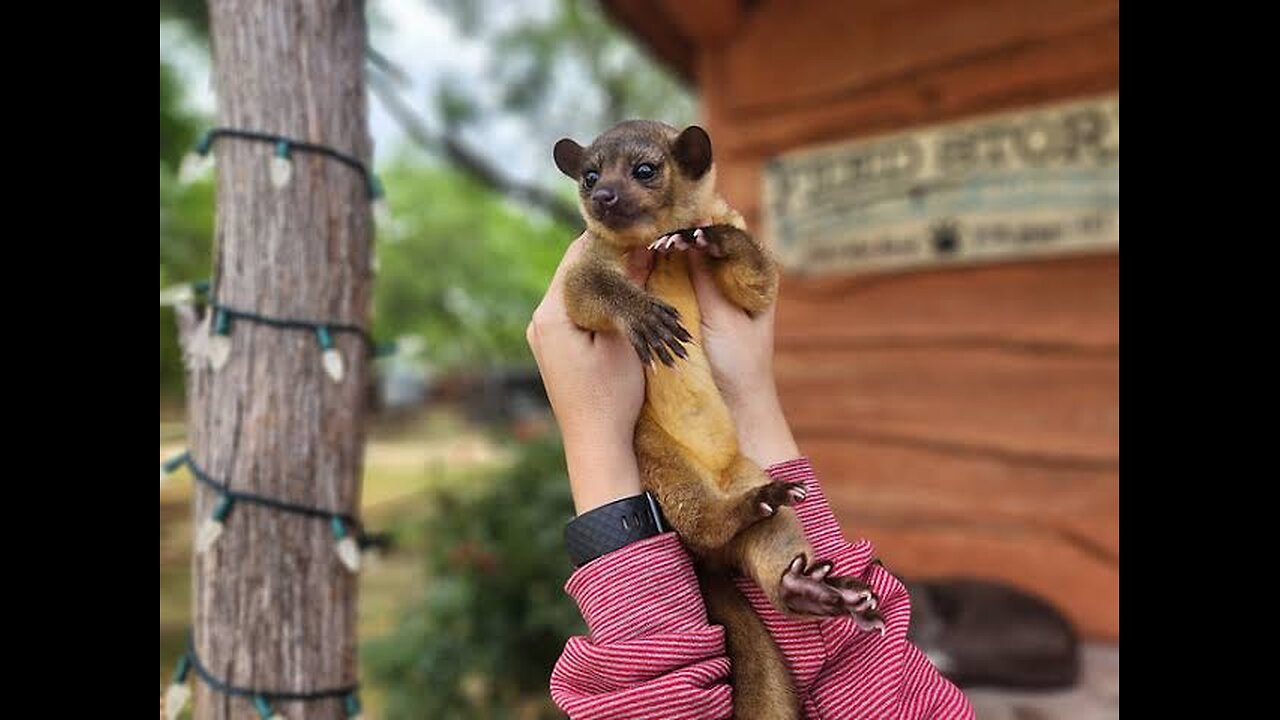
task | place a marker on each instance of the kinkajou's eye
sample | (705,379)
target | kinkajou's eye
(644,171)
(589,178)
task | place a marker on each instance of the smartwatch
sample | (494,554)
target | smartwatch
(604,529)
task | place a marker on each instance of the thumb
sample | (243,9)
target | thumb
(711,302)
(639,264)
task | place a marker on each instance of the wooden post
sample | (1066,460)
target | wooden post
(274,607)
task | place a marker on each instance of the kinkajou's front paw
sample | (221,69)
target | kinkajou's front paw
(703,238)
(654,330)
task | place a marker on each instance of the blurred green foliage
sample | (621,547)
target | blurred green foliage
(186,219)
(193,13)
(461,266)
(178,125)
(495,616)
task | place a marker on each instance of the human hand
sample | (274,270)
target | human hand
(595,383)
(739,347)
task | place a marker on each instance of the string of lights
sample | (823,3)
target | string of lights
(221,317)
(200,159)
(349,536)
(178,694)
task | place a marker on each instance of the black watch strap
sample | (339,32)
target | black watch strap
(609,527)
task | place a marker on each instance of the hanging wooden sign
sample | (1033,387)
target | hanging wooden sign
(1030,184)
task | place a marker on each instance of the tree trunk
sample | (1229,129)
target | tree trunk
(274,607)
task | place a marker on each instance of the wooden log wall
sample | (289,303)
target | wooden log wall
(967,420)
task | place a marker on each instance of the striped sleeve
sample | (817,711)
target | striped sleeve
(857,674)
(820,525)
(650,651)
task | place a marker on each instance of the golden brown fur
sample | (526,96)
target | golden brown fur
(728,512)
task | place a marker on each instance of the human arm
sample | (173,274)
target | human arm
(595,384)
(650,651)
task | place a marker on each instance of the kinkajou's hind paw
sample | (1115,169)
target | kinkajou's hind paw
(805,590)
(870,620)
(858,595)
(861,601)
(810,590)
(657,329)
(777,494)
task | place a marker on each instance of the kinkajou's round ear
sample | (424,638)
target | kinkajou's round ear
(693,151)
(568,155)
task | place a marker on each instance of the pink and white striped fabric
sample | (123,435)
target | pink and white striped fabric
(652,654)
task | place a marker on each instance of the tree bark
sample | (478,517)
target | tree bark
(274,608)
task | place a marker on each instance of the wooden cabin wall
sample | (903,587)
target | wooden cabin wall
(966,420)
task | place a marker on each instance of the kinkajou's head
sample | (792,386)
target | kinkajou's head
(640,179)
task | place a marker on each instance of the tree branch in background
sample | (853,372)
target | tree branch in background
(384,65)
(457,153)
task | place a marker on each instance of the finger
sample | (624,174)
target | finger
(711,301)
(639,265)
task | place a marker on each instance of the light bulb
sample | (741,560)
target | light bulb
(348,549)
(212,528)
(281,166)
(330,356)
(219,347)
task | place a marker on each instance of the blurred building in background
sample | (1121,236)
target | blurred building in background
(942,182)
